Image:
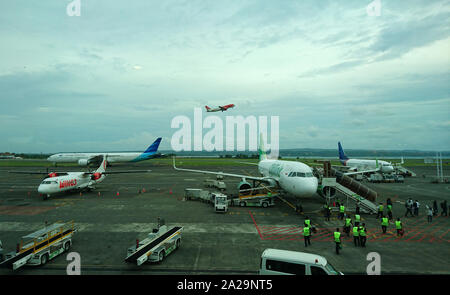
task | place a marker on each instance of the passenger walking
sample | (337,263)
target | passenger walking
(337,240)
(362,235)
(384,224)
(409,205)
(307,235)
(356,236)
(429,214)
(399,227)
(435,208)
(416,205)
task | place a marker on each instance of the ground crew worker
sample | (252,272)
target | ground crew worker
(357,219)
(380,210)
(307,235)
(308,222)
(399,227)
(341,211)
(327,212)
(356,236)
(384,224)
(389,211)
(347,225)
(362,235)
(337,240)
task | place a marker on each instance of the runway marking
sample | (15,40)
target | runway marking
(257,228)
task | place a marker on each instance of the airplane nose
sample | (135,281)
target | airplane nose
(40,189)
(311,187)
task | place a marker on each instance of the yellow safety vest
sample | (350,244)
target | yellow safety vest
(337,236)
(362,232)
(398,224)
(355,231)
(347,221)
(342,208)
(384,221)
(308,222)
(357,218)
(306,231)
(380,208)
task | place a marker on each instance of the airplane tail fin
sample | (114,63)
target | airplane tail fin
(102,167)
(261,149)
(154,147)
(342,157)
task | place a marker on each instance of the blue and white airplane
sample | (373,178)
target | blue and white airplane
(358,166)
(85,159)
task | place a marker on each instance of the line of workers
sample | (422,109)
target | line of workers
(358,229)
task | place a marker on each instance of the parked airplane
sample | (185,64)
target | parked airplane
(219,108)
(358,166)
(57,182)
(85,159)
(295,178)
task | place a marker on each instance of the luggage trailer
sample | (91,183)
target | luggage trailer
(41,246)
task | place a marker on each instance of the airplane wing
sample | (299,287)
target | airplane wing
(118,172)
(265,179)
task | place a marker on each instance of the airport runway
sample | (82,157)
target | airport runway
(112,217)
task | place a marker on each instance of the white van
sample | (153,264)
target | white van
(284,262)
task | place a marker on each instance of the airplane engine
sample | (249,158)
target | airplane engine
(82,162)
(96,176)
(244,185)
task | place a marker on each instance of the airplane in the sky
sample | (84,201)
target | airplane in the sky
(219,108)
(358,166)
(295,178)
(85,159)
(58,182)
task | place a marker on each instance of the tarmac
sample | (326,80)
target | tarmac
(126,207)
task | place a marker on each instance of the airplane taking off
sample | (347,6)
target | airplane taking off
(57,182)
(358,166)
(295,178)
(85,159)
(219,108)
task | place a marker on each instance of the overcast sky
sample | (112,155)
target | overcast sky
(114,77)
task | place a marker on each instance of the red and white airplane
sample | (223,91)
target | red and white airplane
(219,108)
(57,182)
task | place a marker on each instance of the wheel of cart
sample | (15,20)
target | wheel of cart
(242,204)
(265,204)
(44,259)
(178,243)
(67,246)
(162,254)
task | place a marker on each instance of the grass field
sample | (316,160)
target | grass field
(191,162)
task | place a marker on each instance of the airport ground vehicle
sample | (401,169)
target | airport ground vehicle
(159,243)
(284,262)
(213,183)
(375,177)
(257,197)
(399,178)
(41,246)
(197,194)
(220,202)
(388,178)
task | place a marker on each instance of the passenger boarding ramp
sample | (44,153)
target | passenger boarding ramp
(335,181)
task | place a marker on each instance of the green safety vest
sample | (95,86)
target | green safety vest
(355,231)
(398,225)
(347,221)
(337,236)
(362,231)
(384,221)
(308,222)
(342,208)
(306,231)
(357,218)
(380,208)
(389,207)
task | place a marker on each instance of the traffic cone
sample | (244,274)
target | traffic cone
(117,194)
(143,190)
